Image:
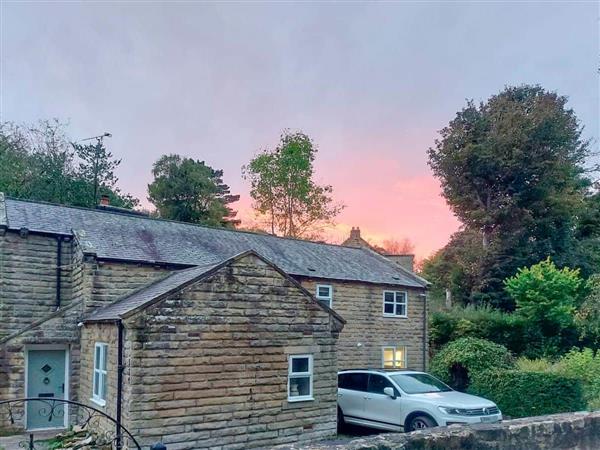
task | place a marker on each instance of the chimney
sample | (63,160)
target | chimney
(406,261)
(104,200)
(355,233)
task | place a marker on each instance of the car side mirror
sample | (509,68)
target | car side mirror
(389,391)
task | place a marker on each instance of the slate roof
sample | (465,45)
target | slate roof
(177,281)
(113,235)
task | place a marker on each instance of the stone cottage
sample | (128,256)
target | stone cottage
(194,335)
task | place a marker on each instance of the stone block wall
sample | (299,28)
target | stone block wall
(209,365)
(28,279)
(361,305)
(90,335)
(569,431)
(114,280)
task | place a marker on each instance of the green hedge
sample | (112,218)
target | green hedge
(458,361)
(509,330)
(523,394)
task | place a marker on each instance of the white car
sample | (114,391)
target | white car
(403,400)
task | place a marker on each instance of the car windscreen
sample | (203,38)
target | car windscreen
(419,383)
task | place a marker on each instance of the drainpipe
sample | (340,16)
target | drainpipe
(58,270)
(119,381)
(424,346)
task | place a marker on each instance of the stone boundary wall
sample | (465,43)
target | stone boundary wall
(575,431)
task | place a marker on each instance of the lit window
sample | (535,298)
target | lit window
(300,378)
(325,294)
(100,374)
(394,357)
(394,304)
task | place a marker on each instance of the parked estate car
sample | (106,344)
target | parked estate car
(398,400)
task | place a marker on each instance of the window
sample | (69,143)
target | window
(99,382)
(300,378)
(394,357)
(394,304)
(354,381)
(378,383)
(325,294)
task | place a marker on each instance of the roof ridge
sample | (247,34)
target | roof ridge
(159,219)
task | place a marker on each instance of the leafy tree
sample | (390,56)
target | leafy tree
(548,297)
(190,191)
(512,170)
(284,191)
(15,172)
(588,313)
(37,163)
(512,161)
(96,169)
(456,267)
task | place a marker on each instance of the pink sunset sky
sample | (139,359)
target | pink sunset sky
(371,83)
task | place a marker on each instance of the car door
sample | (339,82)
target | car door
(379,407)
(352,393)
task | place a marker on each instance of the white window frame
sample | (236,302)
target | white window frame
(329,299)
(394,349)
(292,375)
(98,392)
(396,303)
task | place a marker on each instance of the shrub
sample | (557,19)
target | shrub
(522,394)
(546,295)
(458,361)
(534,365)
(585,366)
(510,330)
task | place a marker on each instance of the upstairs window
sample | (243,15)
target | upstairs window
(100,374)
(325,294)
(395,304)
(394,357)
(300,378)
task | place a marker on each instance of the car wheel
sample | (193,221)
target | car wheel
(340,419)
(420,423)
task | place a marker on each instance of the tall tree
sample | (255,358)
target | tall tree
(284,191)
(512,170)
(190,191)
(509,162)
(37,162)
(96,168)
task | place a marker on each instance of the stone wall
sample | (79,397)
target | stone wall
(573,431)
(114,280)
(209,364)
(28,314)
(361,305)
(28,279)
(90,335)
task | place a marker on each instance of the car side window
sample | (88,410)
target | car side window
(377,384)
(353,381)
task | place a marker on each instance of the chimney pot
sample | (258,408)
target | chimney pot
(104,200)
(355,233)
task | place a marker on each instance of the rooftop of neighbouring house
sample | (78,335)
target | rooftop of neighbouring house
(111,234)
